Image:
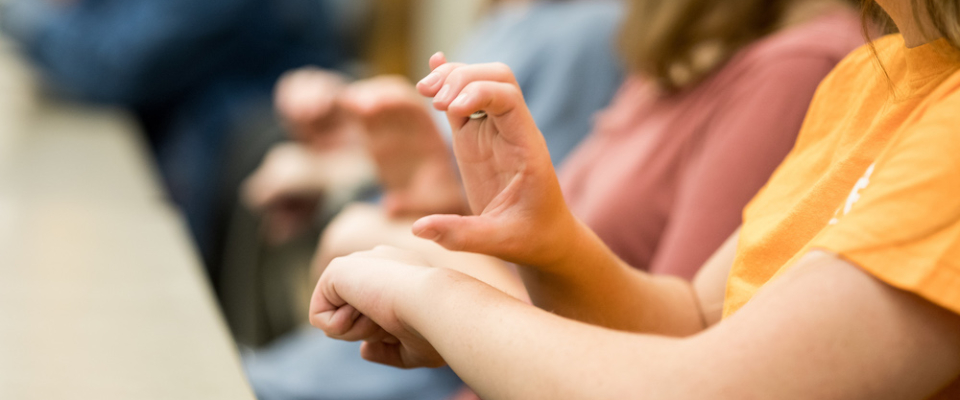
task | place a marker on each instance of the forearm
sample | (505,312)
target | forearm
(791,342)
(535,354)
(593,285)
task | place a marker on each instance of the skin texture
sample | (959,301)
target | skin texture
(825,329)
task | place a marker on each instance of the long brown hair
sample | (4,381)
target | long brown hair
(679,42)
(945,15)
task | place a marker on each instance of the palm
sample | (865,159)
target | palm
(488,162)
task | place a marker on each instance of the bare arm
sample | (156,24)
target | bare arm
(613,295)
(825,330)
(593,285)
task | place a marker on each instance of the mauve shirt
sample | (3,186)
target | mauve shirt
(663,179)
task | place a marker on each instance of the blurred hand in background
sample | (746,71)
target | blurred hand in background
(342,134)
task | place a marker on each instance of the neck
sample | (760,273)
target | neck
(916,30)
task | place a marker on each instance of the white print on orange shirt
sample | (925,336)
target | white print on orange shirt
(854,195)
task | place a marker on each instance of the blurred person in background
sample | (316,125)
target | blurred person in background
(195,73)
(552,45)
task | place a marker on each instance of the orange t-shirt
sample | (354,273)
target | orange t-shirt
(874,177)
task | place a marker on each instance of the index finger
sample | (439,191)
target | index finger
(437,59)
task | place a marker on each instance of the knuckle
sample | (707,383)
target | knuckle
(455,78)
(447,69)
(504,70)
(339,263)
(452,243)
(513,91)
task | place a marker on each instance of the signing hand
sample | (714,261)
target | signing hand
(307,100)
(362,297)
(413,162)
(512,189)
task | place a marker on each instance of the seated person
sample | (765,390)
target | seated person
(841,283)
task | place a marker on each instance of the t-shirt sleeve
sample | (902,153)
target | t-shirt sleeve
(901,222)
(745,141)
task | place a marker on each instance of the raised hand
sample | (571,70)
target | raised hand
(363,297)
(511,187)
(413,162)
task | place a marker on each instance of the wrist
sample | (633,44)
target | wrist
(578,248)
(426,289)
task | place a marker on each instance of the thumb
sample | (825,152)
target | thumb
(475,234)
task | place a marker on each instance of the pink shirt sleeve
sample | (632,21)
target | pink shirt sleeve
(750,135)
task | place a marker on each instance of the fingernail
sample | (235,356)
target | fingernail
(431,79)
(429,234)
(442,94)
(461,100)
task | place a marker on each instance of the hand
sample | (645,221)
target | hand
(361,297)
(287,187)
(519,211)
(413,163)
(360,227)
(307,101)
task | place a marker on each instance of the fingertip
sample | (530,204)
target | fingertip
(341,320)
(437,59)
(424,228)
